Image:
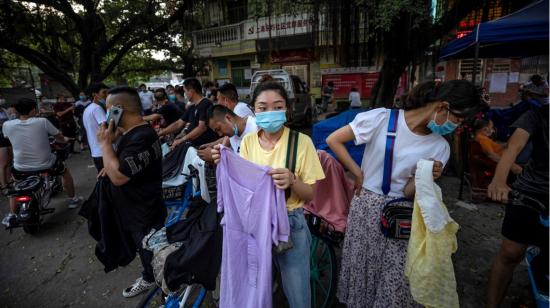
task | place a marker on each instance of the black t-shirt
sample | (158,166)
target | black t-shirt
(170,112)
(193,115)
(534,178)
(140,201)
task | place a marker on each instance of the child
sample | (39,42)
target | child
(484,129)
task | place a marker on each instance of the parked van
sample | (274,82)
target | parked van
(300,109)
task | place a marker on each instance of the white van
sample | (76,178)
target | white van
(300,109)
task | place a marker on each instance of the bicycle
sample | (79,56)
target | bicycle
(323,264)
(190,295)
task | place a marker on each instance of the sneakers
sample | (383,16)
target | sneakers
(74,202)
(138,287)
(9,220)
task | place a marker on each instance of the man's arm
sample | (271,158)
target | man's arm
(213,143)
(498,189)
(59,138)
(196,132)
(172,128)
(516,169)
(64,112)
(152,117)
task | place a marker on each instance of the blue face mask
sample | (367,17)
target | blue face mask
(102,101)
(443,129)
(235,130)
(271,121)
(82,97)
(172,97)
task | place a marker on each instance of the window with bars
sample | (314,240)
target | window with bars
(466,69)
(535,65)
(501,66)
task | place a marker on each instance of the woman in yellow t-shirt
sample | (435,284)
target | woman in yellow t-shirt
(268,147)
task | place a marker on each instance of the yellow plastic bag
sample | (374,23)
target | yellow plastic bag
(429,266)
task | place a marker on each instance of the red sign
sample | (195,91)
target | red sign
(286,56)
(363,82)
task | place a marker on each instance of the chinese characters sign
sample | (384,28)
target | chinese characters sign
(282,25)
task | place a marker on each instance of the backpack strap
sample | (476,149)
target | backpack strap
(291,155)
(388,156)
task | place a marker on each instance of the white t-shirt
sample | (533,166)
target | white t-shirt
(355,99)
(243,110)
(93,116)
(146,99)
(371,127)
(250,127)
(30,143)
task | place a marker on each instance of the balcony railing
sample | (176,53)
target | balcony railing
(218,35)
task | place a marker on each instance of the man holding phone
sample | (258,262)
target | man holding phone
(135,171)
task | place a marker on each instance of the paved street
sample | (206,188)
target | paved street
(57,267)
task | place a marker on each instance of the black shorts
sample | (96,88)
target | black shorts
(58,168)
(522,221)
(68,129)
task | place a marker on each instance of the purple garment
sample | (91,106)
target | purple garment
(255,217)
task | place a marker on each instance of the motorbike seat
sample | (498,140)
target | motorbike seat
(28,184)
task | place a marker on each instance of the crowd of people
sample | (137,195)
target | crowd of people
(128,158)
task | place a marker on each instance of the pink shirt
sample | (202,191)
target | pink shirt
(333,194)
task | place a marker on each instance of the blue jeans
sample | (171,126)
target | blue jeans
(294,263)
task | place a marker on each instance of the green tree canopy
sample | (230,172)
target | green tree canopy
(78,42)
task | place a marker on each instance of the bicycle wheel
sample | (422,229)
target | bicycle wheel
(192,296)
(155,298)
(322,272)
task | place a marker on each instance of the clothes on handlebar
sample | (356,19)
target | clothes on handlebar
(198,259)
(173,161)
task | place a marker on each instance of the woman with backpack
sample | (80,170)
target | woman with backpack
(374,252)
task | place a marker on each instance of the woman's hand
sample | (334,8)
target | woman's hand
(437,169)
(282,178)
(498,191)
(215,151)
(358,182)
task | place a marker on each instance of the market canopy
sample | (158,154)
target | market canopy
(521,34)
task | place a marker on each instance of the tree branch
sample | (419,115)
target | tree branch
(43,62)
(178,14)
(65,7)
(123,32)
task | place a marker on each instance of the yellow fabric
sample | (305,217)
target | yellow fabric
(488,145)
(308,166)
(429,267)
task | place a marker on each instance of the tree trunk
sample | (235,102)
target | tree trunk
(384,90)
(398,53)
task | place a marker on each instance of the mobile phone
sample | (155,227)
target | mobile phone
(115,114)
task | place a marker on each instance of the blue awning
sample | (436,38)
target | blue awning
(521,34)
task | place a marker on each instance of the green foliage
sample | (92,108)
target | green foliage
(91,39)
